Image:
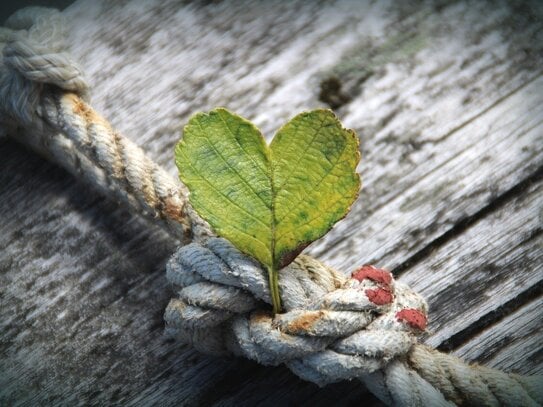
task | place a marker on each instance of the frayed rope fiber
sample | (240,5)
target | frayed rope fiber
(364,327)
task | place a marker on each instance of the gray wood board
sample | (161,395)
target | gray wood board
(487,266)
(521,331)
(446,98)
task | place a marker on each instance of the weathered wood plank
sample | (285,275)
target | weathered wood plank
(426,181)
(491,263)
(447,102)
(513,344)
(418,93)
(490,155)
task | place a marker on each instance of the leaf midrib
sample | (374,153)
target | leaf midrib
(273,222)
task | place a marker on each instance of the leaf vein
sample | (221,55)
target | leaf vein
(303,154)
(241,146)
(218,191)
(320,215)
(232,168)
(300,200)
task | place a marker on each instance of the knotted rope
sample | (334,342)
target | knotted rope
(334,327)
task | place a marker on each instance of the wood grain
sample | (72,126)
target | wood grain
(510,343)
(489,265)
(446,99)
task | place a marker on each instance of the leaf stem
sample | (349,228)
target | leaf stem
(273,277)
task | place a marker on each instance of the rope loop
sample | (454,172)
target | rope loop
(33,60)
(44,104)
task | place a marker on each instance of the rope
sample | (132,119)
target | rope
(42,90)
(33,40)
(334,327)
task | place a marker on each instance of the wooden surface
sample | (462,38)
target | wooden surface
(447,99)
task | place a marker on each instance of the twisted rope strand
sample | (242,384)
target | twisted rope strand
(42,90)
(334,327)
(143,184)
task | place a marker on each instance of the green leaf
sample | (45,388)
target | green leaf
(270,202)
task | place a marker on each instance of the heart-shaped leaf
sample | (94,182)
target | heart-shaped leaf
(270,202)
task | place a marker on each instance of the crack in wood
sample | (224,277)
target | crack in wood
(492,317)
(463,224)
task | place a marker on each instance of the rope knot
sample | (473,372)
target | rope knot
(334,327)
(32,44)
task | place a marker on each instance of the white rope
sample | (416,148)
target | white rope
(334,327)
(43,91)
(32,44)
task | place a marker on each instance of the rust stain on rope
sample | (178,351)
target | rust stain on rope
(80,108)
(166,207)
(305,322)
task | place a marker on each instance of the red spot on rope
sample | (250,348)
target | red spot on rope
(372,273)
(379,296)
(413,317)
